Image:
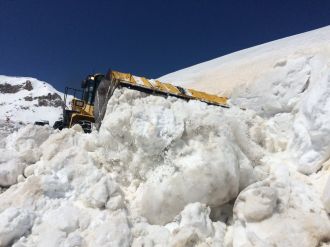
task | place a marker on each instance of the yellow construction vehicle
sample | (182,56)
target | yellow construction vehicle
(97,89)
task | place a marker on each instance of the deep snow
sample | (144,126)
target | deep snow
(165,172)
(290,75)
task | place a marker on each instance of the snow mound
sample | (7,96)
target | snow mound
(140,168)
(289,75)
(113,188)
(154,140)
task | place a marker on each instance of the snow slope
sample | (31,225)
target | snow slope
(290,75)
(166,172)
(223,74)
(25,99)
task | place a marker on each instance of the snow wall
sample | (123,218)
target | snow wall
(160,172)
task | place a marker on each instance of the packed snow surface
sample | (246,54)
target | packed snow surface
(166,172)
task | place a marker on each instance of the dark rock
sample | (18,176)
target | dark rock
(28,85)
(50,100)
(7,88)
(28,98)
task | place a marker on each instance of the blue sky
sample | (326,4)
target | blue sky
(61,41)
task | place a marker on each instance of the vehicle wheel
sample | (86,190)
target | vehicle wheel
(85,125)
(58,125)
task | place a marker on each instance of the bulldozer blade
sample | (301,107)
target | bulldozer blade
(102,97)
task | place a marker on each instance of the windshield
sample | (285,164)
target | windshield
(89,92)
(90,86)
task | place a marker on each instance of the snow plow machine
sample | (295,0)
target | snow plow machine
(88,105)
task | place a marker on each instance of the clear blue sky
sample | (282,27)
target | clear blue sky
(61,41)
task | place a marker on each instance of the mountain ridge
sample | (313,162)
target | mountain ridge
(26,100)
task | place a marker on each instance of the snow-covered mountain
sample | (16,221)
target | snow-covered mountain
(26,100)
(166,172)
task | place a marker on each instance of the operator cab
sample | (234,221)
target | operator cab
(89,86)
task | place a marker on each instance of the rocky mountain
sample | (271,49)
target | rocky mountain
(26,100)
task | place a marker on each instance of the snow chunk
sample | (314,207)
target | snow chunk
(22,195)
(212,173)
(104,194)
(22,148)
(279,210)
(150,235)
(155,127)
(11,167)
(311,140)
(196,216)
(195,227)
(326,196)
(14,223)
(64,218)
(256,204)
(113,231)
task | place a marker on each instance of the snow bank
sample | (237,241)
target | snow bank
(311,143)
(287,76)
(296,94)
(174,148)
(137,172)
(161,172)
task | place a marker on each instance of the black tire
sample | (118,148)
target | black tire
(40,123)
(85,125)
(58,125)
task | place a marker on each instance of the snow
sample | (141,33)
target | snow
(282,210)
(21,149)
(103,194)
(326,195)
(22,106)
(14,223)
(224,74)
(290,75)
(166,172)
